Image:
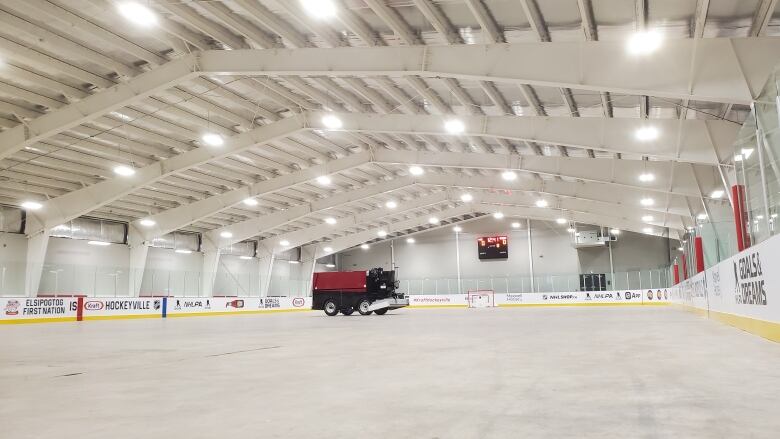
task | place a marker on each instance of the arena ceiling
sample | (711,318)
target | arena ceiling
(269,120)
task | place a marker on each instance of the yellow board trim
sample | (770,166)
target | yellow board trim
(124,317)
(762,328)
(37,320)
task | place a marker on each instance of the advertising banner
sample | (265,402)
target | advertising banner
(37,308)
(103,308)
(201,305)
(438,300)
(743,285)
(660,296)
(99,308)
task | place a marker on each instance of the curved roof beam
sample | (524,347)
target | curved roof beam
(691,140)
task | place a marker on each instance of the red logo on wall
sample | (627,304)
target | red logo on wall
(235,304)
(298,302)
(12,308)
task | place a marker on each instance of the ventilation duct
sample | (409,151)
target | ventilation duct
(180,241)
(246,248)
(91,229)
(11,219)
(293,254)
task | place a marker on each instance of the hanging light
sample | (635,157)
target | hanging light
(212,139)
(31,205)
(332,122)
(416,170)
(124,171)
(137,13)
(147,222)
(454,126)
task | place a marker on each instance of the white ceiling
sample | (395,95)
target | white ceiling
(60,57)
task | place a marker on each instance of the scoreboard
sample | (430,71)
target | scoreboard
(493,247)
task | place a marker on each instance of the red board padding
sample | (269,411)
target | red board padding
(353,281)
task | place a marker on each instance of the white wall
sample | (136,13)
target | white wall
(557,264)
(13,251)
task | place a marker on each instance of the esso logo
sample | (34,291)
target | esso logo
(93,305)
(298,302)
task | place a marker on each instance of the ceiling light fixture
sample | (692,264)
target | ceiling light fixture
(561,221)
(515,225)
(466,198)
(332,122)
(646,177)
(213,139)
(31,205)
(330,265)
(391,204)
(137,13)
(124,171)
(541,203)
(647,218)
(250,202)
(454,126)
(509,175)
(324,180)
(646,134)
(457,229)
(571,230)
(365,246)
(680,249)
(381,233)
(702,216)
(410,240)
(717,193)
(647,201)
(146,222)
(645,42)
(647,230)
(614,231)
(182,251)
(246,258)
(330,220)
(416,170)
(498,215)
(737,157)
(433,220)
(321,9)
(293,262)
(226,234)
(99,243)
(328,249)
(284,243)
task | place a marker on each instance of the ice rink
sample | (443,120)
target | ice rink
(622,372)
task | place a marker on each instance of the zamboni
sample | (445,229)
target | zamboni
(369,291)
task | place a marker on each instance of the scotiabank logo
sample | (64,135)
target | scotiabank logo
(298,302)
(93,305)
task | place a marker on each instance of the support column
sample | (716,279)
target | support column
(36,254)
(611,265)
(740,216)
(685,267)
(209,272)
(266,267)
(457,261)
(138,253)
(309,259)
(676,272)
(531,255)
(699,249)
